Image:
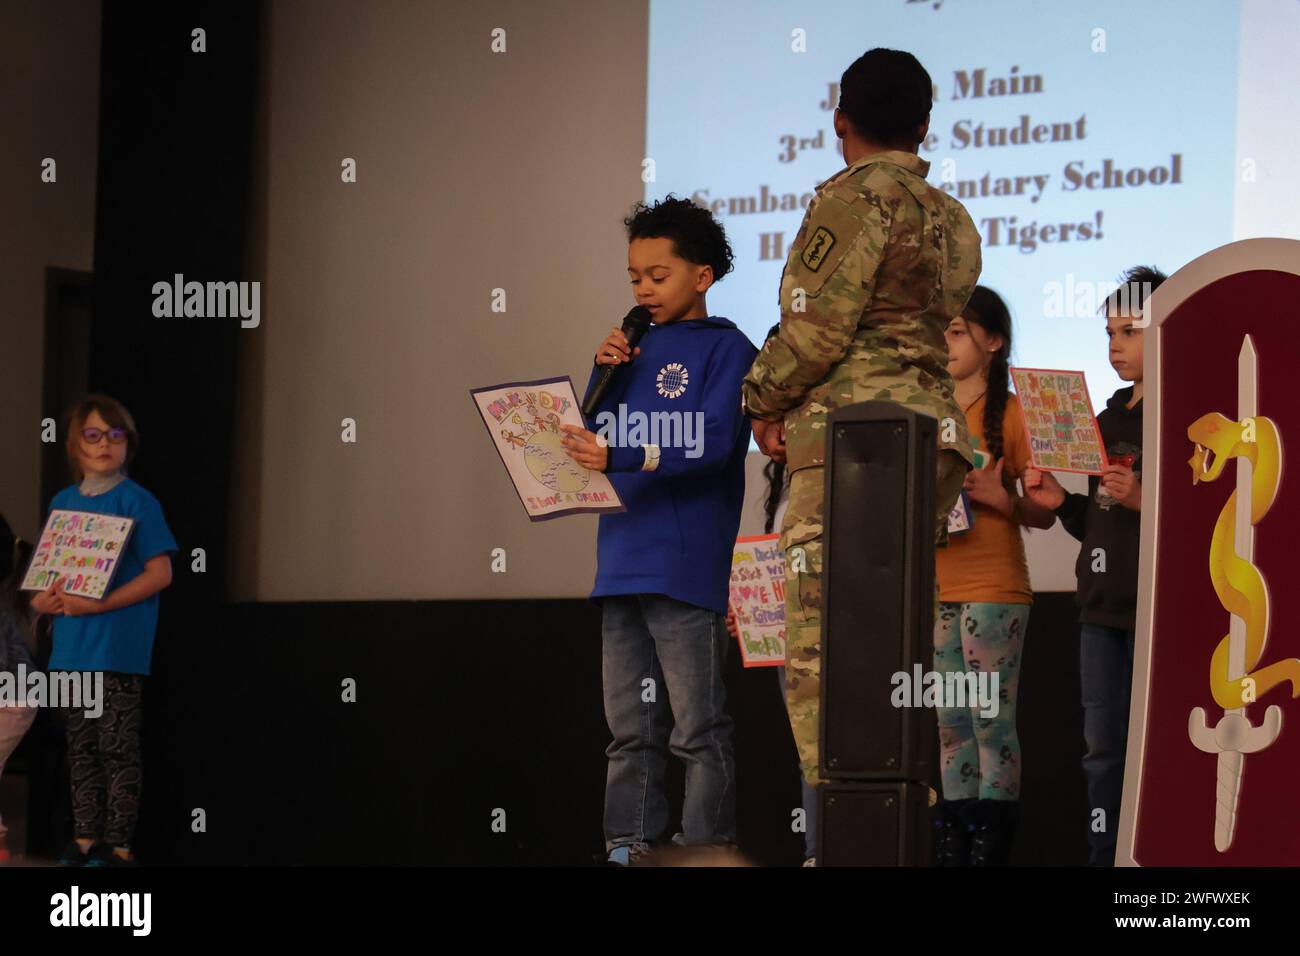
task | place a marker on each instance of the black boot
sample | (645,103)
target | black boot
(993,825)
(952,832)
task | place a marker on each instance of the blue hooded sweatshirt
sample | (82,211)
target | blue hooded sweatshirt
(679,530)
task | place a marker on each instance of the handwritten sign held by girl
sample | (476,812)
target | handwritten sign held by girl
(81,548)
(758,599)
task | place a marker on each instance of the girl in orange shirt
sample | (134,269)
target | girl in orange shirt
(984,596)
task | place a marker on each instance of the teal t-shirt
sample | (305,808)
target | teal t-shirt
(120,640)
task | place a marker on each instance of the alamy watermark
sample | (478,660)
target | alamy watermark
(209,300)
(923,688)
(627,429)
(1083,299)
(76,908)
(75,690)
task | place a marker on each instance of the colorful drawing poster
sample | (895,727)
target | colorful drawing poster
(1063,432)
(758,599)
(524,420)
(82,547)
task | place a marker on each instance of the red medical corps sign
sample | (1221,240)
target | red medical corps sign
(1213,769)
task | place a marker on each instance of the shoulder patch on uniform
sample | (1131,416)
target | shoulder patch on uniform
(817,248)
(827,235)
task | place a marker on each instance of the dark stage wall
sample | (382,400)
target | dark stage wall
(464,707)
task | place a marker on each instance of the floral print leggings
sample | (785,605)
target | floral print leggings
(980,756)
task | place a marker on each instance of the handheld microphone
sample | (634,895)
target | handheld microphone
(635,324)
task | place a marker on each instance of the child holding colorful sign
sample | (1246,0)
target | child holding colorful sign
(984,595)
(114,635)
(663,567)
(1108,520)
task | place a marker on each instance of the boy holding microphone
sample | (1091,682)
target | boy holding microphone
(663,565)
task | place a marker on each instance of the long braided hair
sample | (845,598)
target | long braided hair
(987,310)
(774,472)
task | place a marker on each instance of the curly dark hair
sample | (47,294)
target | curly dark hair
(886,95)
(697,237)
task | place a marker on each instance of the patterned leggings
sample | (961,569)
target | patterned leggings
(980,756)
(104,760)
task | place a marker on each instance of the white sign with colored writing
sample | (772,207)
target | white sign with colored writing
(1063,432)
(524,420)
(758,599)
(81,548)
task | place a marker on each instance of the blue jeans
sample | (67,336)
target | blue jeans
(1106,679)
(662,674)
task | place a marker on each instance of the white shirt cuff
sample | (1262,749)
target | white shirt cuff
(651,457)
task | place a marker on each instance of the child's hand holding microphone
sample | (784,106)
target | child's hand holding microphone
(582,445)
(614,350)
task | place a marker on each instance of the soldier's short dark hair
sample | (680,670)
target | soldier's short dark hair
(1134,288)
(697,237)
(886,95)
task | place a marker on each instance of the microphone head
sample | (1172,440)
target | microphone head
(636,322)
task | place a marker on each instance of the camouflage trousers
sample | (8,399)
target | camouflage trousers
(801,537)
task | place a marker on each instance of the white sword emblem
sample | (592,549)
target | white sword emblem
(1234,736)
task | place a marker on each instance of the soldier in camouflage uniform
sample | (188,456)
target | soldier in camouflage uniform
(881,264)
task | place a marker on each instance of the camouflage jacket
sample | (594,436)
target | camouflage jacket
(881,264)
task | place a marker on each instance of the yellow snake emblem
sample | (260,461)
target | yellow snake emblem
(1237,582)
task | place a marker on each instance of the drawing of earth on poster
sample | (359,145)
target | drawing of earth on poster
(548,462)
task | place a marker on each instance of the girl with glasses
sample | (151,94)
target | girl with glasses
(113,635)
